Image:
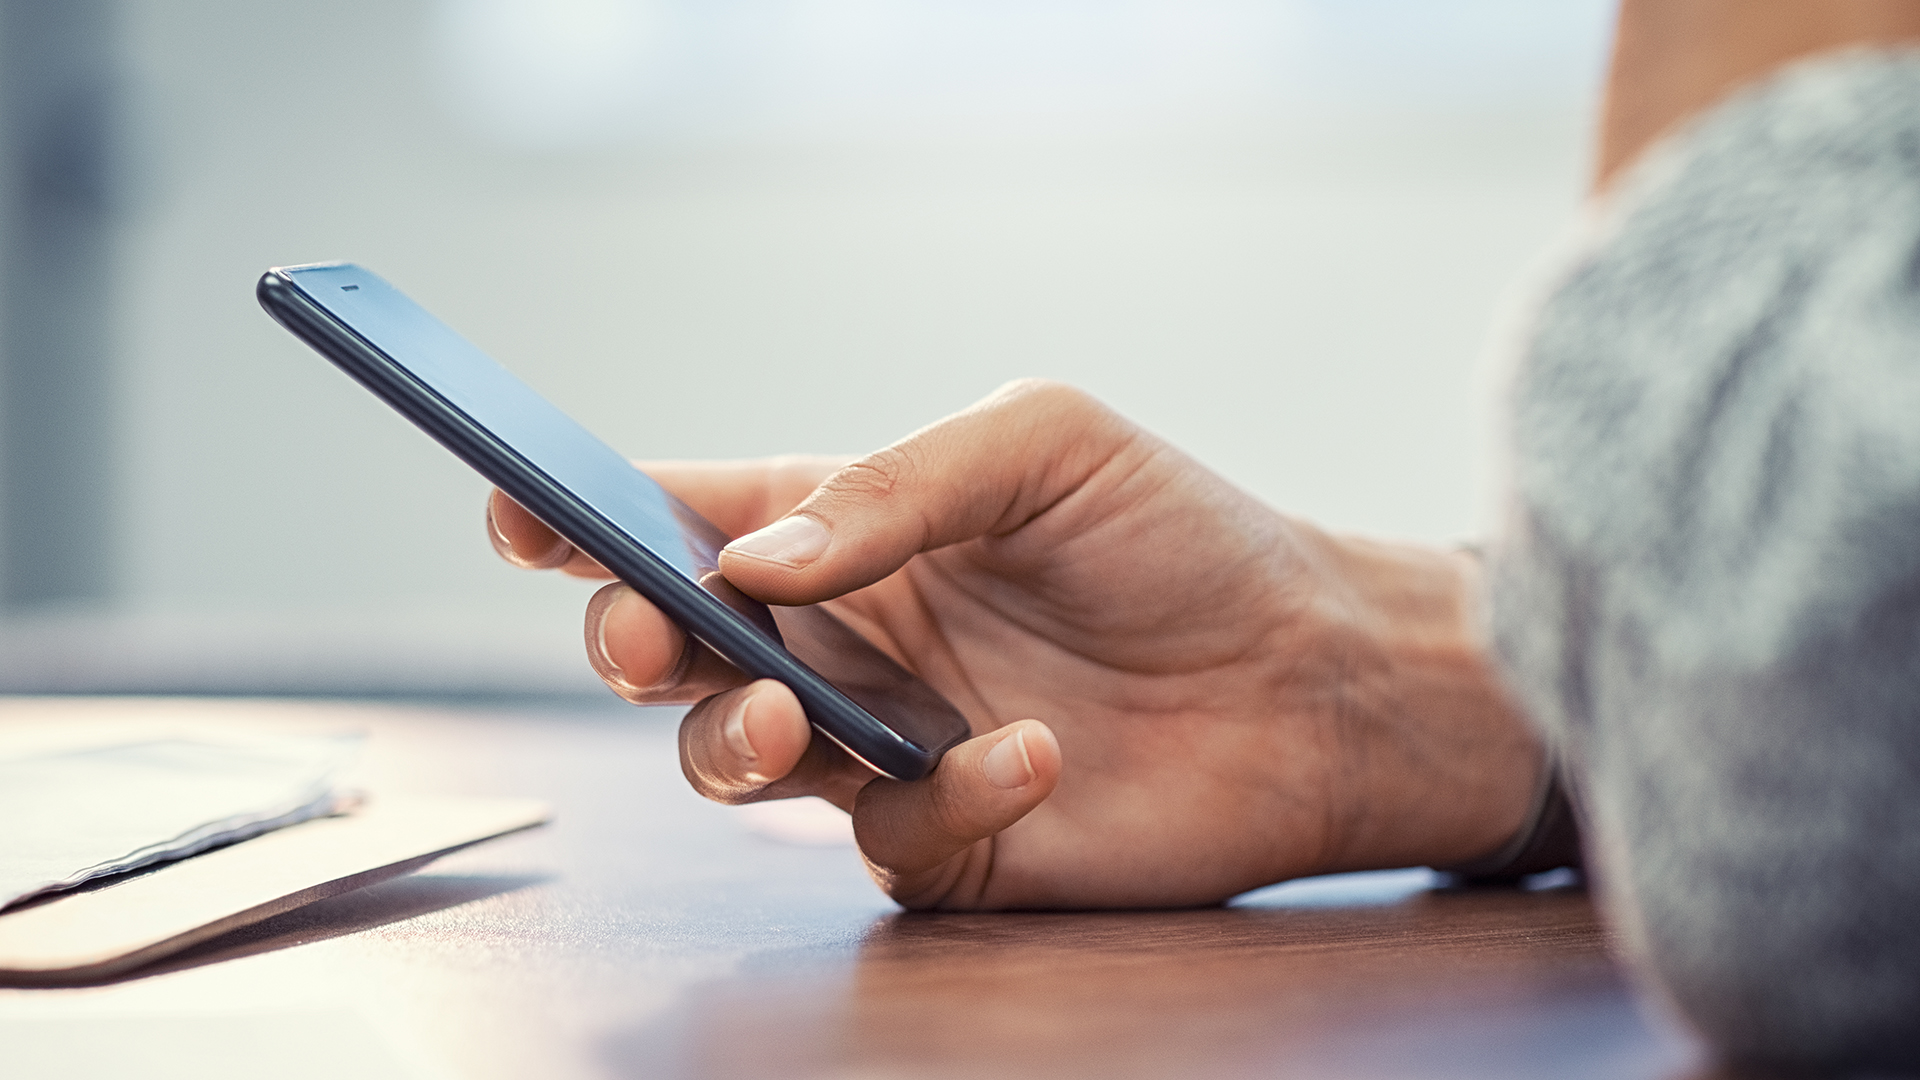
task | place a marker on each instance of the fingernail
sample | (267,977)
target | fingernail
(794,541)
(555,555)
(1007,765)
(499,539)
(600,613)
(735,730)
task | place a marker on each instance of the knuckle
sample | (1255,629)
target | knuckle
(877,476)
(1049,413)
(1048,396)
(1030,386)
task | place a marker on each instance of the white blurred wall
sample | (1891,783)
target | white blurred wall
(1275,233)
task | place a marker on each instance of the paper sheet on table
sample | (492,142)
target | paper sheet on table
(69,817)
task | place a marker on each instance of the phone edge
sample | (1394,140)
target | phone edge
(884,750)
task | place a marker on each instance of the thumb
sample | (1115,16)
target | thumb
(923,840)
(983,471)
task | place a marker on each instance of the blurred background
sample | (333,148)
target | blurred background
(1276,232)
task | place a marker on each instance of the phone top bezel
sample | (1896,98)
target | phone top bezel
(695,610)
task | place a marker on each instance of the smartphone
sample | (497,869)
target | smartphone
(853,693)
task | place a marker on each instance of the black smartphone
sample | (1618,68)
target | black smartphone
(853,693)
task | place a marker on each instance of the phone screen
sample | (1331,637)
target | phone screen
(900,725)
(548,439)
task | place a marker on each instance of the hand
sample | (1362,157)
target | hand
(1176,693)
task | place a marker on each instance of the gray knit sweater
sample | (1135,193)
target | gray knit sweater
(1708,593)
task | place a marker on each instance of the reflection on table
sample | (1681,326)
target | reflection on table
(648,933)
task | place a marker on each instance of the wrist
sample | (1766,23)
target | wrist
(1449,770)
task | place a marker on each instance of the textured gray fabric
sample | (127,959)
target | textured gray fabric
(1709,589)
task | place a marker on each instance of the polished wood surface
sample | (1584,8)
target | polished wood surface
(647,933)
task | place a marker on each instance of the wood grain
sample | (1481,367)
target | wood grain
(650,934)
(1438,980)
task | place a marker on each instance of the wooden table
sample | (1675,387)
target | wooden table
(648,933)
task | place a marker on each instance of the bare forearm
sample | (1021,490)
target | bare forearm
(1673,58)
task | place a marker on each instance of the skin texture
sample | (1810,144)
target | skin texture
(1177,694)
(1674,58)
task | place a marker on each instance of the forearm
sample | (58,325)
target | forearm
(1674,58)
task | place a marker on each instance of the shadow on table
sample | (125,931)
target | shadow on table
(384,904)
(1439,984)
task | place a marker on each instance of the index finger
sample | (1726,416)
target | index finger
(737,496)
(741,496)
(526,541)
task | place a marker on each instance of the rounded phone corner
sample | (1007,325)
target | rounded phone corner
(271,283)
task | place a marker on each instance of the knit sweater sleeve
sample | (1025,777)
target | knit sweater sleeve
(1708,589)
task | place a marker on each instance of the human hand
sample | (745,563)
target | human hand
(1177,694)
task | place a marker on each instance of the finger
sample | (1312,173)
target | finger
(737,496)
(522,539)
(527,542)
(754,743)
(639,652)
(985,471)
(916,836)
(741,496)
